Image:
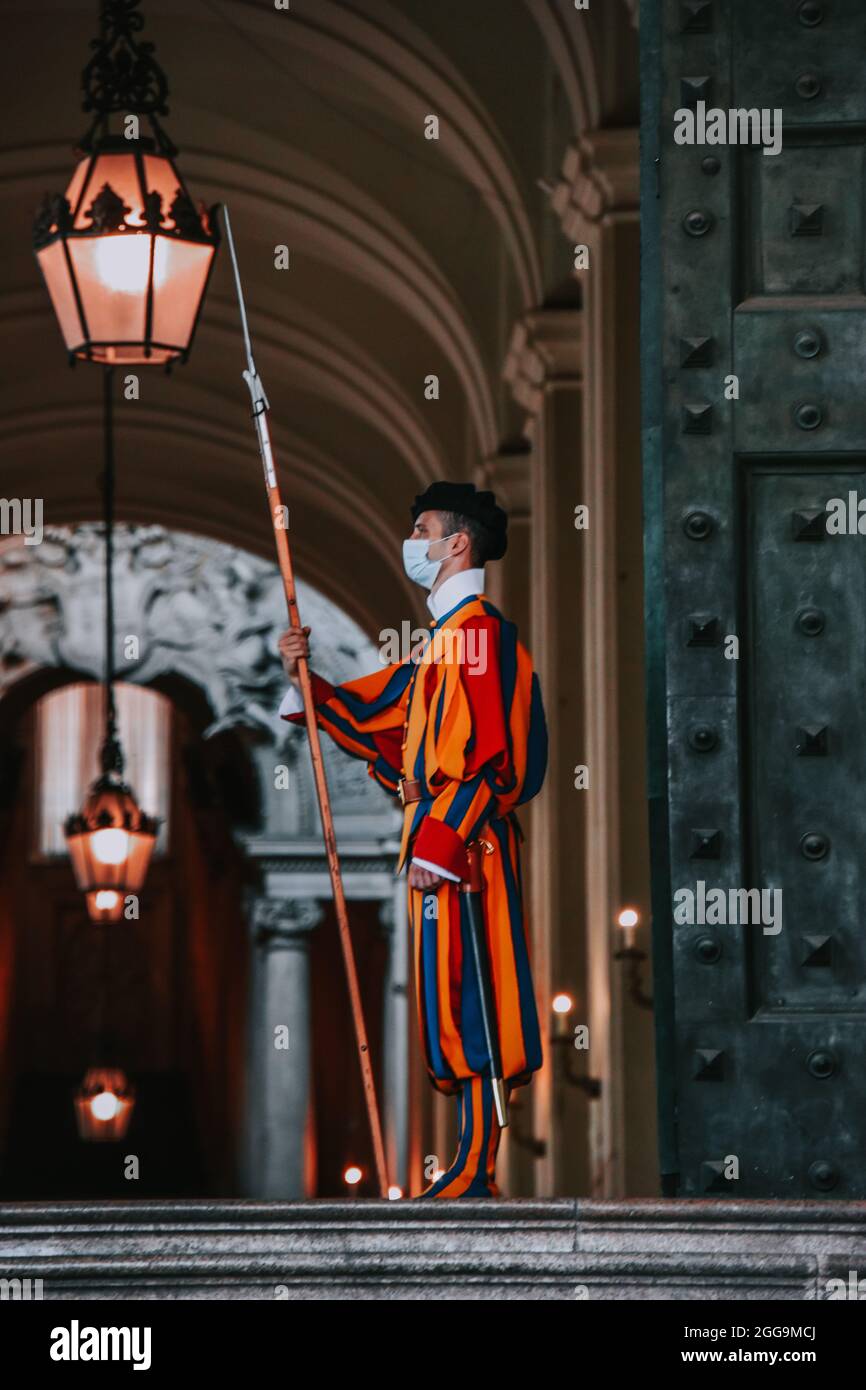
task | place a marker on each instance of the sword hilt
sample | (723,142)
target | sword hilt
(474,852)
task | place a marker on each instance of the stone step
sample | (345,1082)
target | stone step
(564,1249)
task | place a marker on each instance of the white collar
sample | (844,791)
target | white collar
(454,590)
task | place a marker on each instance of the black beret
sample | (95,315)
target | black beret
(465,500)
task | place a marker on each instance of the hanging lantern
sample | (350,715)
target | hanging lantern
(103,1105)
(110,842)
(125,254)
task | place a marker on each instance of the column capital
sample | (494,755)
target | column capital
(546,346)
(508,473)
(284,923)
(600,179)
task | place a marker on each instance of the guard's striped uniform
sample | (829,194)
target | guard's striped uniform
(464,720)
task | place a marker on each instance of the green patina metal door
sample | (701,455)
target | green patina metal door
(754,357)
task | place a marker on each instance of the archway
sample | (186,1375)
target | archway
(234,934)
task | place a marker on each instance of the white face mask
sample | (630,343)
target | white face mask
(418,565)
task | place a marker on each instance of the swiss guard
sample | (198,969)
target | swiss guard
(456,731)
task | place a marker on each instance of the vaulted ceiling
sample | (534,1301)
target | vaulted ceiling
(408,257)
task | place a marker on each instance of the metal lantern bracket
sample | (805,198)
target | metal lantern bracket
(123,74)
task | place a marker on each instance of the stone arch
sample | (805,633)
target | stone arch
(575,60)
(205,616)
(220,462)
(389,55)
(324,361)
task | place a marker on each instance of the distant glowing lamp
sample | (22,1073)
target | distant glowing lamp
(628,920)
(352,1175)
(103,1105)
(394,1194)
(562,1006)
(110,842)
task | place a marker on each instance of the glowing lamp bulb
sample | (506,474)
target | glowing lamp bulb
(562,1006)
(352,1175)
(394,1194)
(122,263)
(628,919)
(105,1105)
(110,846)
(106,899)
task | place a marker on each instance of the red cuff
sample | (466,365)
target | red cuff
(322,692)
(440,844)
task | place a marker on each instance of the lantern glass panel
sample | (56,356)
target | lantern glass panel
(78,846)
(52,259)
(180,273)
(159,177)
(112,274)
(140,851)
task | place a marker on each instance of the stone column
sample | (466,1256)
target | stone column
(280,1156)
(395,1069)
(544,368)
(509,474)
(596,199)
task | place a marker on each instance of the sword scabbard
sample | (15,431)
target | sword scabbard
(473,886)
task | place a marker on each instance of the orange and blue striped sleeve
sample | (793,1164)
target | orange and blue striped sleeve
(365,717)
